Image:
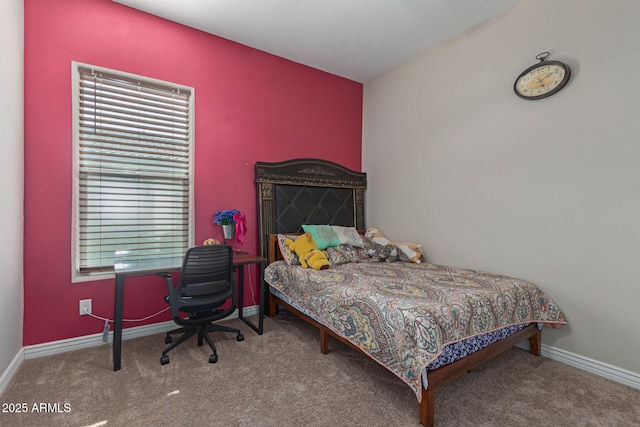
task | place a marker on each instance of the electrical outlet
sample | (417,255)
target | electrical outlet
(85,307)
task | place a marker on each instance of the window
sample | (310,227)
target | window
(133,188)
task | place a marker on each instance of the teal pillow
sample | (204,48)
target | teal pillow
(323,235)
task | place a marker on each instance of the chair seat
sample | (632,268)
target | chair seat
(198,310)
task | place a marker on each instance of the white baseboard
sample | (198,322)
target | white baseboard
(11,370)
(71,344)
(62,346)
(623,376)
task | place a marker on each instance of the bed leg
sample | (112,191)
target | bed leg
(534,343)
(273,308)
(426,408)
(324,341)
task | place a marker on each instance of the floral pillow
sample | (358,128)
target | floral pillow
(290,257)
(348,236)
(323,235)
(342,254)
(364,251)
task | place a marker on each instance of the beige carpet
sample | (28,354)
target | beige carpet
(282,379)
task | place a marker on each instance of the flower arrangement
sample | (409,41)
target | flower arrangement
(225,217)
(234,218)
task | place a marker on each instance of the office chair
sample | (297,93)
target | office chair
(206,283)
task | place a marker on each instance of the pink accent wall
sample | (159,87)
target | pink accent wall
(250,106)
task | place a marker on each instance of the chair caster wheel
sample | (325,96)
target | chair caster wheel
(213,358)
(240,337)
(167,339)
(164,360)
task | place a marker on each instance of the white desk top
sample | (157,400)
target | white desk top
(148,266)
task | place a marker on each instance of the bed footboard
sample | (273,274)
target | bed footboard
(441,376)
(437,377)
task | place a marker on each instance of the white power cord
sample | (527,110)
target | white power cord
(253,296)
(105,330)
(128,320)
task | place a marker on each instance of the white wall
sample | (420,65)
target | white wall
(548,190)
(11,179)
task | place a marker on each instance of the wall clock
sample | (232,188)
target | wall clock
(542,79)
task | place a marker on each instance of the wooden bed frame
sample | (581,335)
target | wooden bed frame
(298,175)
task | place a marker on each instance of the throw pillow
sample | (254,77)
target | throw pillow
(288,255)
(323,235)
(348,236)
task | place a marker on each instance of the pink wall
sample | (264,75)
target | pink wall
(250,106)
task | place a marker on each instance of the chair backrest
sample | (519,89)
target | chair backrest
(206,278)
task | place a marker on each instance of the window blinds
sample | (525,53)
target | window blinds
(134,167)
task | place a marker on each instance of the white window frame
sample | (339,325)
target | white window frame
(75,229)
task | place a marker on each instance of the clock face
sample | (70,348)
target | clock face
(542,80)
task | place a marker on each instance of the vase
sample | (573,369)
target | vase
(228,231)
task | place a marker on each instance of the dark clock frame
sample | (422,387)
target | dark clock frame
(543,63)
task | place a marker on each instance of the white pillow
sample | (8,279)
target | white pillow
(348,236)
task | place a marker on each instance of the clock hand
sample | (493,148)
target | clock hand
(541,80)
(545,77)
(533,84)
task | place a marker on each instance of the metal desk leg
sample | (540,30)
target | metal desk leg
(240,287)
(261,307)
(259,328)
(117,322)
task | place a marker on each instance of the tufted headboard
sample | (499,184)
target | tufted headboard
(307,191)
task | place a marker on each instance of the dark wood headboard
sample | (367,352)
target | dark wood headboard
(307,191)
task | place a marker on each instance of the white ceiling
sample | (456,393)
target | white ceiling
(356,39)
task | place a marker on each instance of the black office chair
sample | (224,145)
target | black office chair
(206,283)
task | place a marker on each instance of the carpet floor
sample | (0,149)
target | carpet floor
(282,379)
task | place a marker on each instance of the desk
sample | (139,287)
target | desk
(172,265)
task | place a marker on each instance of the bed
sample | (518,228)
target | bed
(414,319)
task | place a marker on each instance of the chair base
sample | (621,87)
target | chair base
(203,335)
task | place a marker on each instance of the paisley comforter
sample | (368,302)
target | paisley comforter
(403,314)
